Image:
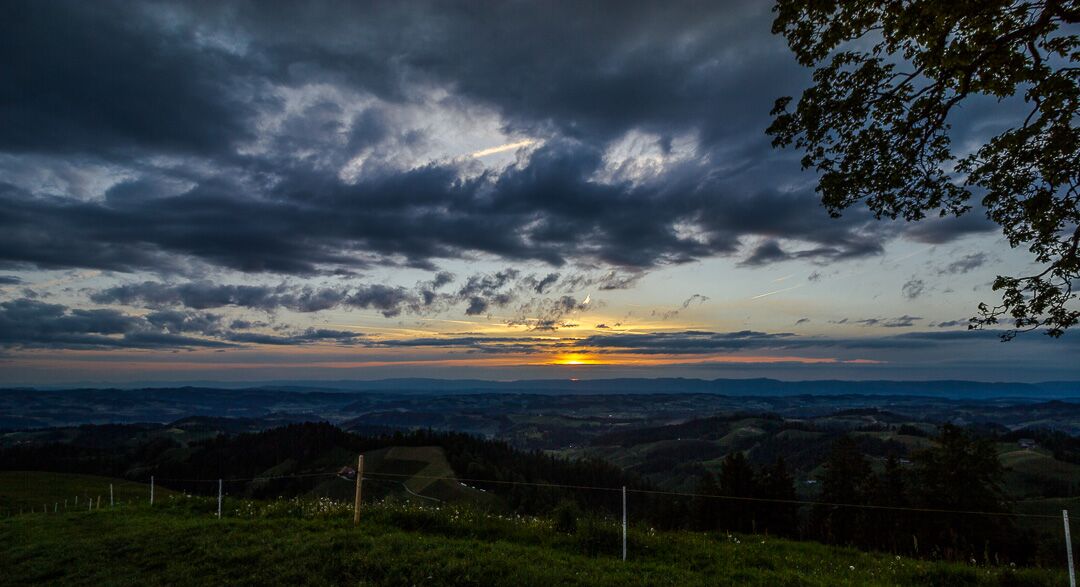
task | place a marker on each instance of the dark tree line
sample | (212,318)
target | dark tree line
(746,489)
(900,507)
(960,472)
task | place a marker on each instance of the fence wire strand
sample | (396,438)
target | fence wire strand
(373,476)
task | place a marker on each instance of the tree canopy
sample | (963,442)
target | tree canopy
(875,125)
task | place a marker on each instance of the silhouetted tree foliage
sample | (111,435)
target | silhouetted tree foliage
(738,479)
(893,527)
(876,125)
(777,483)
(748,510)
(848,481)
(960,472)
(706,509)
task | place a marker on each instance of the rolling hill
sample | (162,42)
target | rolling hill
(180,542)
(34,490)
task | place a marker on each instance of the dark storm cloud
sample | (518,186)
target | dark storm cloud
(766,253)
(479,293)
(311,335)
(484,291)
(199,295)
(696,342)
(839,248)
(547,313)
(98,77)
(913,288)
(240,324)
(944,229)
(172,94)
(175,321)
(543,284)
(589,71)
(548,210)
(32,324)
(691,342)
(688,343)
(694,299)
(9,280)
(389,300)
(480,344)
(661,343)
(605,281)
(964,264)
(904,321)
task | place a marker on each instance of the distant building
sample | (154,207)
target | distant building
(1027,443)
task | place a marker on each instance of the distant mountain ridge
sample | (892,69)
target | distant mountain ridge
(761,387)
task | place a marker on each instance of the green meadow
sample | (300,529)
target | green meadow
(180,541)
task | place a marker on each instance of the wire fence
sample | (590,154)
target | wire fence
(797,502)
(402,478)
(374,476)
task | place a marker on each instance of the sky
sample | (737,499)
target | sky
(500,190)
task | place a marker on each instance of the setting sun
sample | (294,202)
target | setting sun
(575,359)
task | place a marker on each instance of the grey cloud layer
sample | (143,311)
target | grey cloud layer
(478,294)
(390,300)
(698,342)
(31,324)
(172,96)
(27,324)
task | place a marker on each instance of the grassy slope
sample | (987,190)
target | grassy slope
(416,468)
(180,542)
(34,489)
(1027,471)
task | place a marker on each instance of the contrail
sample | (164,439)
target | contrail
(767,294)
(501,148)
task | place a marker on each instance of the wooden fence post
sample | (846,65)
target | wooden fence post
(624,522)
(1068,548)
(151,490)
(219,498)
(359,481)
(110,495)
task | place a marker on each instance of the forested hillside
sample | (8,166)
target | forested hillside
(896,505)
